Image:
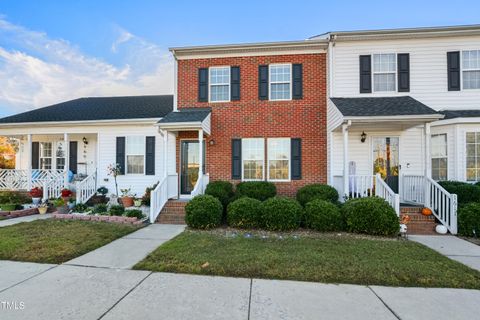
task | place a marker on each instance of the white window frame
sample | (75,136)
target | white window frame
(383,72)
(477,154)
(132,154)
(40,155)
(210,85)
(462,69)
(263,160)
(279,82)
(289,160)
(438,157)
(57,143)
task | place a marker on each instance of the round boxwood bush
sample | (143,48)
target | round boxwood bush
(317,191)
(134,213)
(244,213)
(117,210)
(260,190)
(323,215)
(469,220)
(371,215)
(203,212)
(222,190)
(281,214)
(466,192)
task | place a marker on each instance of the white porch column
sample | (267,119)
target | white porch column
(165,151)
(200,160)
(67,158)
(346,178)
(29,164)
(428,162)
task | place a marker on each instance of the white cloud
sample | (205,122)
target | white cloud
(42,71)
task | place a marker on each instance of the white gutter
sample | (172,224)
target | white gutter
(460,120)
(81,122)
(394,118)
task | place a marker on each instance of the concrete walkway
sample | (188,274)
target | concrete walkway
(10,222)
(125,252)
(78,292)
(452,247)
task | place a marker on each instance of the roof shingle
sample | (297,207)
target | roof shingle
(451,114)
(186,115)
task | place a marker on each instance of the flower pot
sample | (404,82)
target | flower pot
(42,210)
(36,200)
(62,210)
(127,201)
(137,202)
(71,205)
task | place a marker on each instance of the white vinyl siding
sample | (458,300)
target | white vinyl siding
(278,150)
(471,69)
(384,72)
(219,82)
(439,153)
(135,154)
(280,81)
(253,159)
(473,156)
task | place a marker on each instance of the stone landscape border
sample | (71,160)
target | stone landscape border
(114,219)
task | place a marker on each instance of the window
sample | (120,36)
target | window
(45,155)
(219,84)
(280,81)
(253,157)
(384,72)
(439,157)
(278,159)
(473,156)
(60,156)
(471,69)
(135,153)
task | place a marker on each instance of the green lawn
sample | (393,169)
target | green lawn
(55,241)
(327,258)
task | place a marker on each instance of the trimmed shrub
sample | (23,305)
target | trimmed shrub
(244,213)
(469,220)
(80,207)
(222,190)
(466,192)
(134,213)
(117,210)
(371,215)
(323,215)
(281,214)
(260,190)
(100,208)
(317,191)
(203,212)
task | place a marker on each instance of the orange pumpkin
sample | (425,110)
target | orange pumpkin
(426,211)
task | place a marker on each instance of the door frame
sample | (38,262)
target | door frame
(379,135)
(180,159)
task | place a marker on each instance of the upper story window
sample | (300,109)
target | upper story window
(471,69)
(135,154)
(280,76)
(384,72)
(439,157)
(473,156)
(219,84)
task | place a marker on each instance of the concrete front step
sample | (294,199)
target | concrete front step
(419,224)
(173,212)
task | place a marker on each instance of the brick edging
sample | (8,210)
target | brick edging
(18,213)
(114,219)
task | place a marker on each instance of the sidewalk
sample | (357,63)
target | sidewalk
(452,247)
(10,222)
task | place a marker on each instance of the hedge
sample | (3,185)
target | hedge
(316,191)
(244,213)
(281,214)
(222,190)
(323,215)
(469,220)
(466,192)
(260,190)
(203,212)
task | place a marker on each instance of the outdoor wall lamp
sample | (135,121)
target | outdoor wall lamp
(85,141)
(211,142)
(363,137)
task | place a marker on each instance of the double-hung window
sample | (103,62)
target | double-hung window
(280,76)
(219,84)
(278,150)
(46,155)
(135,154)
(439,157)
(471,69)
(60,156)
(253,158)
(384,72)
(473,156)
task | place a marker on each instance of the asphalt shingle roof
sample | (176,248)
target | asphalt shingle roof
(381,106)
(98,108)
(186,115)
(451,114)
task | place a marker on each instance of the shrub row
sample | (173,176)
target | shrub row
(465,192)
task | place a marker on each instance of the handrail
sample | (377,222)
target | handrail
(200,185)
(158,199)
(442,203)
(361,186)
(383,191)
(86,188)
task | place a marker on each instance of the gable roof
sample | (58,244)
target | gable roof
(382,106)
(186,115)
(98,108)
(452,114)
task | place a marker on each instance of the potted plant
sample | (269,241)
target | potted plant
(102,191)
(137,202)
(66,194)
(127,198)
(71,203)
(60,205)
(36,194)
(43,207)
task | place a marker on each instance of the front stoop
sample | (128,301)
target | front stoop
(419,224)
(173,212)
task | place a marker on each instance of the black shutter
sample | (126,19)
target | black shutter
(150,156)
(236,159)
(73,156)
(297,81)
(453,68)
(121,154)
(365,74)
(263,82)
(296,155)
(403,63)
(235,83)
(203,85)
(35,155)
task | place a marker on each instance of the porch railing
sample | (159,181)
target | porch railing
(158,199)
(53,188)
(361,186)
(86,188)
(40,176)
(12,179)
(413,189)
(200,185)
(383,191)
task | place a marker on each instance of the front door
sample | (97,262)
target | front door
(189,164)
(386,160)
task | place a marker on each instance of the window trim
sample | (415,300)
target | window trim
(465,158)
(223,84)
(436,157)
(52,158)
(462,70)
(392,72)
(279,82)
(127,154)
(263,160)
(289,153)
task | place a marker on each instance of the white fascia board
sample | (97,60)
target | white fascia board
(80,123)
(455,121)
(429,117)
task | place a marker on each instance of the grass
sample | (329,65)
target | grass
(329,258)
(56,241)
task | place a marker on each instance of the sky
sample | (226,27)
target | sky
(53,51)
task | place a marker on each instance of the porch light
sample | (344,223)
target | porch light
(85,141)
(211,142)
(363,137)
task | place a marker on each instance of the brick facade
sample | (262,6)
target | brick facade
(252,118)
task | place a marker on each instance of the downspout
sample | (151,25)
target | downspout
(175,82)
(346,178)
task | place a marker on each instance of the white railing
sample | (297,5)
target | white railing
(12,179)
(200,185)
(40,176)
(86,188)
(158,199)
(442,203)
(361,186)
(172,185)
(383,191)
(53,188)
(413,189)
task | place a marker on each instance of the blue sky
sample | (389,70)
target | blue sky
(51,51)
